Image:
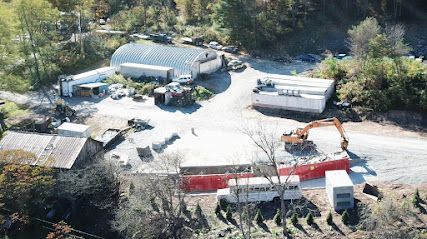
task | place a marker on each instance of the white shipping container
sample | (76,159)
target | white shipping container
(302,103)
(137,70)
(293,93)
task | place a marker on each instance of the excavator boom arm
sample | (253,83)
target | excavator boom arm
(302,134)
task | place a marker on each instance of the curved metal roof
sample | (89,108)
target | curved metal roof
(181,59)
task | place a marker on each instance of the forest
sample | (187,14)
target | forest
(41,39)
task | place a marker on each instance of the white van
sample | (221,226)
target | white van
(184,79)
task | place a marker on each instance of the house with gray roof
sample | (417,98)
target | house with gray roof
(51,150)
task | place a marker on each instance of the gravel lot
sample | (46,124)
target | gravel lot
(381,153)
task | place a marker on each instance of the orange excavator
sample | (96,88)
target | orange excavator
(299,136)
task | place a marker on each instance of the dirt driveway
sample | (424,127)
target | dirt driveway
(210,132)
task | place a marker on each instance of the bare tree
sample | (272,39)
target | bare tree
(156,206)
(244,208)
(395,37)
(359,36)
(267,141)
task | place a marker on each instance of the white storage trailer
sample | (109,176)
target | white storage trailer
(68,84)
(293,93)
(339,189)
(136,71)
(74,130)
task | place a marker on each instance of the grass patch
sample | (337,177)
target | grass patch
(145,42)
(200,93)
(11,110)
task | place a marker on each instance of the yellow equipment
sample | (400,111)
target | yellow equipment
(300,135)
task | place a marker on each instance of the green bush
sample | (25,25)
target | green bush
(381,84)
(11,109)
(116,79)
(201,93)
(345,217)
(331,68)
(147,89)
(329,219)
(294,219)
(229,214)
(258,217)
(379,76)
(278,217)
(309,219)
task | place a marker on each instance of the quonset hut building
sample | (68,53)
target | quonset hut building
(184,61)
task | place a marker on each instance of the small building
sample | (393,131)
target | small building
(184,60)
(52,150)
(173,94)
(293,93)
(91,89)
(339,189)
(137,71)
(81,84)
(74,130)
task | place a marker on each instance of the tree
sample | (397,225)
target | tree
(244,208)
(258,217)
(345,217)
(102,9)
(7,33)
(61,230)
(218,209)
(416,199)
(329,219)
(359,36)
(24,189)
(198,212)
(229,214)
(37,24)
(369,39)
(294,219)
(155,209)
(309,219)
(278,217)
(268,165)
(237,16)
(93,190)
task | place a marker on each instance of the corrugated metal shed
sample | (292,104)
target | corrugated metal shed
(184,61)
(49,150)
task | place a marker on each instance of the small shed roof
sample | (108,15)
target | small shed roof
(263,181)
(338,178)
(86,74)
(92,85)
(73,127)
(49,150)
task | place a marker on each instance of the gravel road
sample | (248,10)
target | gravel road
(210,132)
